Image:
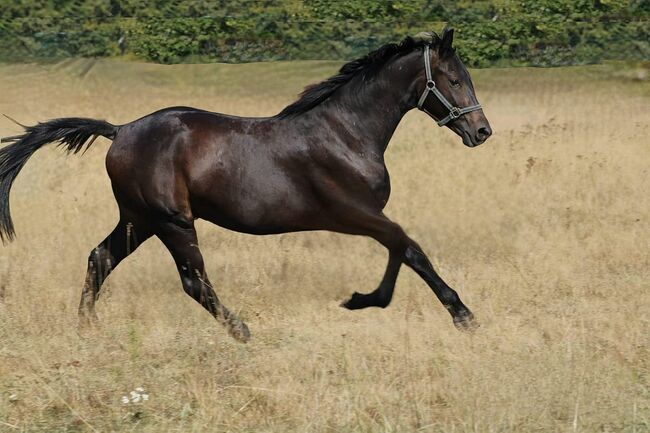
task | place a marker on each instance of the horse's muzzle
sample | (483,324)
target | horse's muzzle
(478,137)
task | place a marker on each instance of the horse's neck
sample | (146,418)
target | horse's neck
(367,114)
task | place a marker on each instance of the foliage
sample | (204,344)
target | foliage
(534,32)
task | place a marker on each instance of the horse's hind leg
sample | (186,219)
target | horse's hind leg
(121,242)
(181,241)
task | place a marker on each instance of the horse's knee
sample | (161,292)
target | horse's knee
(416,259)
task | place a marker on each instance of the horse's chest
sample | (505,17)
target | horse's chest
(381,188)
(374,177)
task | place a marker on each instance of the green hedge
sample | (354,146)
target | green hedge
(532,32)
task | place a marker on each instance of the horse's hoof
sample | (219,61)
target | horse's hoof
(360,300)
(354,303)
(239,331)
(466,323)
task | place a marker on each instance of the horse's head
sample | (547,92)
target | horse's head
(446,92)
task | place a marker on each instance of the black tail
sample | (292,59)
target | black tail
(73,133)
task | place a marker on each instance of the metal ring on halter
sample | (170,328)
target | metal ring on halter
(431,84)
(454,113)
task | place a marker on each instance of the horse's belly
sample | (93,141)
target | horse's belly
(266,205)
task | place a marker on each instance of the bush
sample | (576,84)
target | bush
(541,32)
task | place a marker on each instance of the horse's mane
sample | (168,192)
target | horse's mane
(366,66)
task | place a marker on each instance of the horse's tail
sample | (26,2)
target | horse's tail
(72,133)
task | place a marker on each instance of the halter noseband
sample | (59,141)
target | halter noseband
(454,112)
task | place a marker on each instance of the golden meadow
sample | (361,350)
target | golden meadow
(544,231)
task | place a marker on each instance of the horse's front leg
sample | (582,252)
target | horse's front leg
(383,294)
(417,260)
(391,236)
(403,249)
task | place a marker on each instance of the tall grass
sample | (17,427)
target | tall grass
(544,231)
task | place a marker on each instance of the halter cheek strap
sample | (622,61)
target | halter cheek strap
(454,112)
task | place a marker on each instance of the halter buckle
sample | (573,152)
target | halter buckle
(454,113)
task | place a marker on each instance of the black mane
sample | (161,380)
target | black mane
(367,65)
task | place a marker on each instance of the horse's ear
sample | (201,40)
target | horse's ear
(445,47)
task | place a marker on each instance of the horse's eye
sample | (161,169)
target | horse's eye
(454,83)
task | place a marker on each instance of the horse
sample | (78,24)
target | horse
(316,165)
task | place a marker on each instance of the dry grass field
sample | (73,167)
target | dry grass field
(544,231)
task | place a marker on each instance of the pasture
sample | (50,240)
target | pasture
(544,231)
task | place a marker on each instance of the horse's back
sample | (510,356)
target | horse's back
(191,163)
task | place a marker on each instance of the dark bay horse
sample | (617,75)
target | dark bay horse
(317,165)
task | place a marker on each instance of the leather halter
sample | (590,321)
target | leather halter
(430,87)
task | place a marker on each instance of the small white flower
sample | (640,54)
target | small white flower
(136,396)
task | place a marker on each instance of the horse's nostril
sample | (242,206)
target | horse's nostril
(483,132)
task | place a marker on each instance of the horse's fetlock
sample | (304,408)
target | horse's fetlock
(450,298)
(383,301)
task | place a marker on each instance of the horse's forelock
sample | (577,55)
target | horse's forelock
(430,38)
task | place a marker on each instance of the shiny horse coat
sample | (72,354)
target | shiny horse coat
(317,165)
